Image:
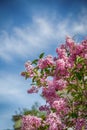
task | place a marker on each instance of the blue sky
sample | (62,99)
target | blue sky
(27,28)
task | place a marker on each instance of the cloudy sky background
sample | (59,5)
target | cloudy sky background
(27,28)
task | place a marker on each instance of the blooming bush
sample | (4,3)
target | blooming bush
(63,80)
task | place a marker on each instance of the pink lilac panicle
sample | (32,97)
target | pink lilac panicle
(59,105)
(44,108)
(34,89)
(60,84)
(61,53)
(70,42)
(29,69)
(53,120)
(84,43)
(49,92)
(45,62)
(30,122)
(80,124)
(60,65)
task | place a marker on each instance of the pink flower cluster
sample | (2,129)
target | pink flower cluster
(60,84)
(64,86)
(31,122)
(33,90)
(29,69)
(54,121)
(80,124)
(44,108)
(48,61)
(59,105)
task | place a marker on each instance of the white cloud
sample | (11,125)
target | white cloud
(39,35)
(80,25)
(13,95)
(14,90)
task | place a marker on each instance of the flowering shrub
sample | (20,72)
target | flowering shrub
(31,122)
(63,80)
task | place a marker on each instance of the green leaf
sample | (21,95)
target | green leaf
(78,75)
(33,79)
(74,115)
(41,55)
(83,127)
(72,77)
(35,61)
(26,75)
(46,70)
(42,72)
(18,124)
(73,93)
(79,59)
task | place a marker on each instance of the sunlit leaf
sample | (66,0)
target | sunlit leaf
(41,55)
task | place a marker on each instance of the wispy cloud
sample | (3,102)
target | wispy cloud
(39,35)
(13,95)
(13,89)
